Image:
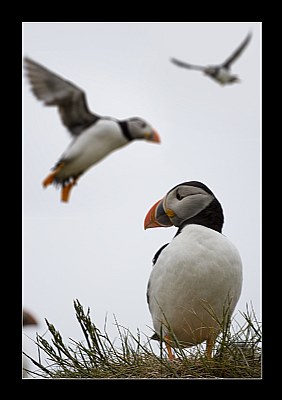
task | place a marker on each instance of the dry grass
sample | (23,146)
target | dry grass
(237,354)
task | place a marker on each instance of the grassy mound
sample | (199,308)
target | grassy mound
(237,354)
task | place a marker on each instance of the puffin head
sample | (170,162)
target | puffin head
(186,203)
(140,129)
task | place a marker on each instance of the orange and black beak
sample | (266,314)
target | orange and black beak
(153,137)
(157,217)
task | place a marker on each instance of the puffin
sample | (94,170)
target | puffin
(28,318)
(196,279)
(93,136)
(220,73)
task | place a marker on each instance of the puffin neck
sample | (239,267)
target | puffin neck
(124,128)
(211,217)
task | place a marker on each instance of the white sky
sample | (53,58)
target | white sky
(95,248)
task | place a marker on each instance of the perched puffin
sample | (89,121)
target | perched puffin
(196,279)
(94,136)
(220,73)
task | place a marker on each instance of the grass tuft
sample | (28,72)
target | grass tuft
(237,354)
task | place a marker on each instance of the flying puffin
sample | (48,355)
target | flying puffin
(94,136)
(196,279)
(28,319)
(220,73)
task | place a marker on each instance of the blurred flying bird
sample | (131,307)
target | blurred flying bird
(94,136)
(220,73)
(28,319)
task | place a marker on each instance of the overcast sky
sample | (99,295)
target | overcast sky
(94,248)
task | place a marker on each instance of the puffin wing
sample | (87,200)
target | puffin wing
(56,91)
(237,52)
(186,65)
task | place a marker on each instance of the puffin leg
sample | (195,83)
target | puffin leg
(50,178)
(209,347)
(168,347)
(66,190)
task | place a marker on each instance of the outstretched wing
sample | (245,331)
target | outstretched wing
(237,52)
(56,91)
(186,65)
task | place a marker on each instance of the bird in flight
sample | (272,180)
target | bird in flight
(196,279)
(220,73)
(94,136)
(28,318)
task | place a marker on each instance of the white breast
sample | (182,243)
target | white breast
(91,146)
(195,275)
(224,75)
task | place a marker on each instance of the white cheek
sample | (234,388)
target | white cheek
(190,206)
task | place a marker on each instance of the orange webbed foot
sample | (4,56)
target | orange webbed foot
(171,356)
(50,178)
(65,194)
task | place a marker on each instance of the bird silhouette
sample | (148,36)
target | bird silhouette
(220,73)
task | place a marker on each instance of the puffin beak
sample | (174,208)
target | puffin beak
(156,137)
(153,137)
(157,217)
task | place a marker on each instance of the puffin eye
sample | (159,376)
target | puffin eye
(178,195)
